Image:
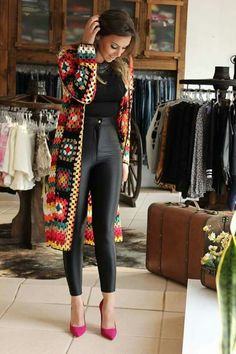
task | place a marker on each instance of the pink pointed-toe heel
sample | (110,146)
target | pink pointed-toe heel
(78,331)
(109,333)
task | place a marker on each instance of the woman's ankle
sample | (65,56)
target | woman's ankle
(77,311)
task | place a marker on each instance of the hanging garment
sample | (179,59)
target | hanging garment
(200,184)
(150,91)
(152,142)
(4,133)
(232,157)
(221,117)
(23,177)
(179,145)
(226,151)
(46,75)
(162,133)
(162,136)
(42,157)
(8,163)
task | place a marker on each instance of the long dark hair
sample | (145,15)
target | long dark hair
(119,22)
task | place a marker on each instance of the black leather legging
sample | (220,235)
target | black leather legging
(101,174)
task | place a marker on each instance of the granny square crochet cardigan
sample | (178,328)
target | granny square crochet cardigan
(78,72)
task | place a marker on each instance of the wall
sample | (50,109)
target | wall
(211,37)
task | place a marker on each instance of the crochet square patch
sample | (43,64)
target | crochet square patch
(82,77)
(64,179)
(74,120)
(68,149)
(61,209)
(65,67)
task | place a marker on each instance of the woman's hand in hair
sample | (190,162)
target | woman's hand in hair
(91,29)
(125,172)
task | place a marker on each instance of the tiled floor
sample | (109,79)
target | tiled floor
(34,314)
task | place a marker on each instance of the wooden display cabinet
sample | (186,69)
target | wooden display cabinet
(133,7)
(35,22)
(35,31)
(49,24)
(163,26)
(75,14)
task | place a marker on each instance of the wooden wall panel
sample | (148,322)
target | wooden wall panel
(3,46)
(182,43)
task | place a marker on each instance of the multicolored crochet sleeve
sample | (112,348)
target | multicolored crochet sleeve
(124,118)
(77,69)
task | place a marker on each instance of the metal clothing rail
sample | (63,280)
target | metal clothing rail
(220,86)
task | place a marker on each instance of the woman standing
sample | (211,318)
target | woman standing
(90,156)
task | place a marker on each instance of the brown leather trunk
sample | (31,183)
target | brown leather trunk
(176,240)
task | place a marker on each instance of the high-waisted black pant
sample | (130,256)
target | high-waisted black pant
(101,175)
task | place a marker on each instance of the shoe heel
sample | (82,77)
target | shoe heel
(109,333)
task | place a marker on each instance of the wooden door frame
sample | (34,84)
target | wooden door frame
(4,8)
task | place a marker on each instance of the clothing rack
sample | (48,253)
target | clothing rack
(46,75)
(28,224)
(37,69)
(220,88)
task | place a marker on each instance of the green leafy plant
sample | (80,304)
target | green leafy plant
(226,293)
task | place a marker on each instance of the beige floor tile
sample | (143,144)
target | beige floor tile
(163,197)
(90,278)
(138,225)
(95,296)
(47,282)
(12,210)
(4,209)
(127,211)
(9,287)
(7,219)
(57,294)
(171,346)
(4,305)
(8,196)
(8,204)
(19,341)
(132,299)
(143,208)
(92,343)
(125,222)
(172,325)
(141,216)
(173,286)
(175,301)
(9,213)
(141,279)
(130,270)
(139,323)
(37,316)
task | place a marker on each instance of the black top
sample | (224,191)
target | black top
(106,102)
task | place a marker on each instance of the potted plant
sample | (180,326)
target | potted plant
(221,257)
(211,259)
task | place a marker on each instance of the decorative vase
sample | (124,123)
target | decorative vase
(208,277)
